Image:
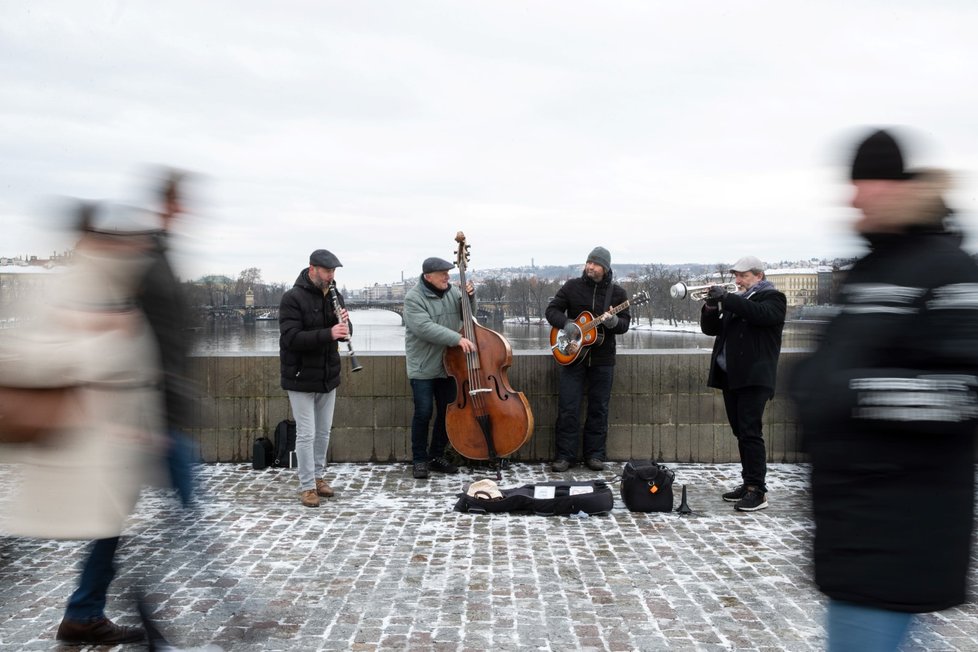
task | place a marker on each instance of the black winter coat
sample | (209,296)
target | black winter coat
(888,408)
(580,294)
(309,356)
(162,302)
(750,328)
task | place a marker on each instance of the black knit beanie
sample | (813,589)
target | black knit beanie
(879,157)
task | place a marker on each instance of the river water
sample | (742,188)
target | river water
(381,330)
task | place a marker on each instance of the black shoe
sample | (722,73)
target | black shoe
(595,464)
(559,466)
(155,641)
(753,500)
(98,632)
(441,465)
(736,494)
(421,470)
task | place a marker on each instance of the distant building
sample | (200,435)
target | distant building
(803,286)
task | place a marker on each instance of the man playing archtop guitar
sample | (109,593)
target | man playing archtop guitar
(594,369)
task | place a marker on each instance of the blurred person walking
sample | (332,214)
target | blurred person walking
(161,299)
(84,478)
(744,365)
(310,367)
(888,407)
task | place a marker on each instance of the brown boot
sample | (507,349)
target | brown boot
(323,488)
(98,632)
(309,498)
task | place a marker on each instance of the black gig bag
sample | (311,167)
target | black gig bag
(261,453)
(556,498)
(284,444)
(646,486)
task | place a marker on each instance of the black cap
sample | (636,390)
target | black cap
(323,258)
(435,265)
(879,157)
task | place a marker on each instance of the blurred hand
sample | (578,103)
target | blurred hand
(715,295)
(468,346)
(470,289)
(609,319)
(340,332)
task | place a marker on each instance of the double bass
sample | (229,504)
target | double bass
(488,419)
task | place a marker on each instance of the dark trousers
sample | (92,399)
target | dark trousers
(431,396)
(745,411)
(574,381)
(88,601)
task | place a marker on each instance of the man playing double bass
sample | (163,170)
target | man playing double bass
(593,371)
(432,319)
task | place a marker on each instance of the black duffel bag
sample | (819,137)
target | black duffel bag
(646,486)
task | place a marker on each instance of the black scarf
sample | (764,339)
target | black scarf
(431,287)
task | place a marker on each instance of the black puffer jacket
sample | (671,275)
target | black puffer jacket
(162,301)
(310,358)
(888,409)
(580,294)
(750,327)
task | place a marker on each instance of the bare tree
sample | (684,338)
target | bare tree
(492,293)
(541,290)
(520,297)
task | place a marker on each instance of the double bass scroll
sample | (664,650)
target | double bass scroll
(488,419)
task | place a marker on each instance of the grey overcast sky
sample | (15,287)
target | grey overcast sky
(666,132)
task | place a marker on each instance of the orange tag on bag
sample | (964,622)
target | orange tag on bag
(653,489)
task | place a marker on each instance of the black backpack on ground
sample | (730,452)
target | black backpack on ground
(261,453)
(284,444)
(647,486)
(560,497)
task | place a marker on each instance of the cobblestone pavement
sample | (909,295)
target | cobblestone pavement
(388,565)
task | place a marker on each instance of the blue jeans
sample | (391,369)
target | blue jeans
(856,628)
(574,381)
(313,412)
(87,603)
(745,412)
(428,394)
(180,460)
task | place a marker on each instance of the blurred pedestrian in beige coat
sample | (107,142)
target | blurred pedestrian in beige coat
(83,480)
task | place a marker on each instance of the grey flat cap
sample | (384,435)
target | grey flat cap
(748,264)
(323,258)
(436,265)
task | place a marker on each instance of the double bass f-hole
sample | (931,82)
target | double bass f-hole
(488,419)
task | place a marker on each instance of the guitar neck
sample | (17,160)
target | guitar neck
(594,323)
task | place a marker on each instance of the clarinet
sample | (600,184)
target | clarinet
(335,298)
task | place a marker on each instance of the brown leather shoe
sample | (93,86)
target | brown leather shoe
(323,488)
(98,632)
(309,498)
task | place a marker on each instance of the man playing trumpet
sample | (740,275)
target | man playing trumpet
(747,326)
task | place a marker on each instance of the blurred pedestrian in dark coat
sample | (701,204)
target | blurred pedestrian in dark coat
(888,409)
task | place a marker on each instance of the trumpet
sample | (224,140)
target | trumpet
(335,298)
(697,292)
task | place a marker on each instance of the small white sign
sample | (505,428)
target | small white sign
(544,491)
(583,489)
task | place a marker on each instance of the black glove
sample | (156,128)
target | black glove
(715,295)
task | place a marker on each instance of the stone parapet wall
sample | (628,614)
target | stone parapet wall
(661,408)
